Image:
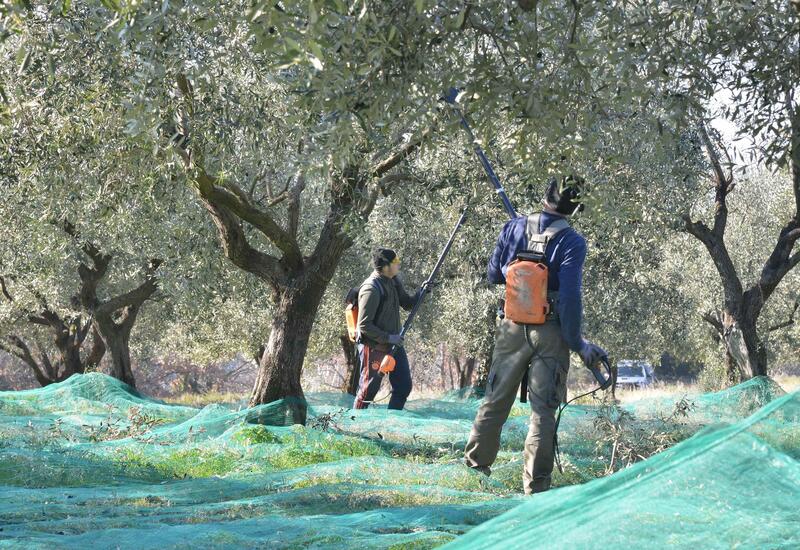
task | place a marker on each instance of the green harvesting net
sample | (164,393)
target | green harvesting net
(729,486)
(91,463)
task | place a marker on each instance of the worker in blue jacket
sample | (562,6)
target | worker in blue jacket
(540,350)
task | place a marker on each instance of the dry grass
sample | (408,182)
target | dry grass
(789,382)
(200,400)
(655,391)
(629,395)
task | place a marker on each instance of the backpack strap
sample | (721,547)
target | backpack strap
(377,284)
(537,241)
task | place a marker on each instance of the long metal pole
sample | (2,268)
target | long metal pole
(487,167)
(429,281)
(450,98)
(387,364)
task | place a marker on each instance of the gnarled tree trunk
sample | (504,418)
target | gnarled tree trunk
(465,369)
(745,354)
(736,325)
(116,337)
(114,318)
(68,336)
(281,364)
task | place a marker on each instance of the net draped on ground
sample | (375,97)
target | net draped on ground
(90,462)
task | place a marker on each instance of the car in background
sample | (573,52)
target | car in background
(634,373)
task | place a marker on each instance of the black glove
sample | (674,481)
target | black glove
(591,353)
(395,339)
(426,289)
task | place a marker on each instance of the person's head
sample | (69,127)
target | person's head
(386,262)
(564,197)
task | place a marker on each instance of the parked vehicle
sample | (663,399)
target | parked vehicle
(634,373)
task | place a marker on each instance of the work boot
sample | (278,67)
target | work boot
(540,486)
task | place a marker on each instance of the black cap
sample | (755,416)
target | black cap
(383,257)
(565,196)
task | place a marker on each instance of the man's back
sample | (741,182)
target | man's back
(565,255)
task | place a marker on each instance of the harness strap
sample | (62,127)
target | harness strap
(537,240)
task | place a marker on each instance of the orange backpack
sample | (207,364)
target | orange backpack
(527,275)
(351,310)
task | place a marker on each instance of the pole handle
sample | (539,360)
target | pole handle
(603,377)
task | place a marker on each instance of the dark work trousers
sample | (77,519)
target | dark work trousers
(371,378)
(542,352)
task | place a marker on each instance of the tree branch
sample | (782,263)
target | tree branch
(11,351)
(379,169)
(714,321)
(794,260)
(722,184)
(235,200)
(279,199)
(90,275)
(780,262)
(715,245)
(716,165)
(137,296)
(5,289)
(83,331)
(38,320)
(226,201)
(380,187)
(238,250)
(52,372)
(394,158)
(24,353)
(790,322)
(98,349)
(89,248)
(294,204)
(573,31)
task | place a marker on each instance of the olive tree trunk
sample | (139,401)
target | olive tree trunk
(297,280)
(281,363)
(736,324)
(352,364)
(68,333)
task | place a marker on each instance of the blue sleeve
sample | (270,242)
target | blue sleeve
(570,306)
(495,271)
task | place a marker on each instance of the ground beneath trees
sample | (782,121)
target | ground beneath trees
(90,463)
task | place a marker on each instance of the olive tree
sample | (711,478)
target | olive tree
(752,51)
(92,229)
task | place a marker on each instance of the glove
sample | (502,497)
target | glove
(591,353)
(425,289)
(395,339)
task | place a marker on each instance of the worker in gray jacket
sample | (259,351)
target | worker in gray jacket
(379,300)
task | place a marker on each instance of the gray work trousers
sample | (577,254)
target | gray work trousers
(542,351)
